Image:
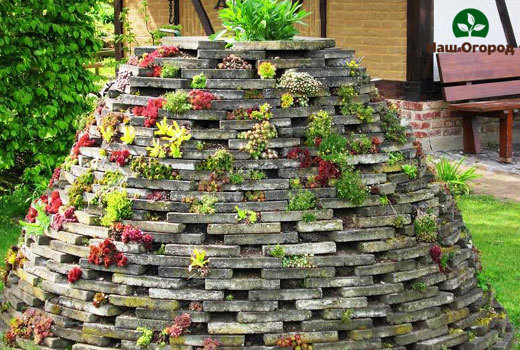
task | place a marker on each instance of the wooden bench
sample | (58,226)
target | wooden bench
(478,84)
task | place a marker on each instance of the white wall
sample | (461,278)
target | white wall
(446,10)
(514,12)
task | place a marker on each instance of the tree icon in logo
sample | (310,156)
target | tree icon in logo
(470,23)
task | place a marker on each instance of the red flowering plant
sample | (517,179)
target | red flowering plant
(209,344)
(120,157)
(303,155)
(55,177)
(148,59)
(180,325)
(156,71)
(327,171)
(150,111)
(74,275)
(33,324)
(132,234)
(293,341)
(157,196)
(54,204)
(83,141)
(106,254)
(242,114)
(200,99)
(67,216)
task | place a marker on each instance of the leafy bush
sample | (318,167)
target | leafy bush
(391,125)
(176,102)
(302,200)
(410,170)
(351,188)
(277,251)
(246,216)
(220,162)
(454,176)
(43,83)
(118,207)
(170,70)
(205,205)
(319,126)
(425,227)
(199,81)
(258,20)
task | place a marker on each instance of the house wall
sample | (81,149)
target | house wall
(376,29)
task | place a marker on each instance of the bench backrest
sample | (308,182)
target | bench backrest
(473,76)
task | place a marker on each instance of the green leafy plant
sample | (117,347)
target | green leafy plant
(198,81)
(320,125)
(267,70)
(174,135)
(258,20)
(128,135)
(170,70)
(246,216)
(297,261)
(395,157)
(425,227)
(220,162)
(391,125)
(456,178)
(176,102)
(118,207)
(263,113)
(399,221)
(350,187)
(236,178)
(277,251)
(205,205)
(302,200)
(200,146)
(41,224)
(82,184)
(419,286)
(383,200)
(43,82)
(346,317)
(230,297)
(287,100)
(410,170)
(152,169)
(309,217)
(199,262)
(256,175)
(257,139)
(146,337)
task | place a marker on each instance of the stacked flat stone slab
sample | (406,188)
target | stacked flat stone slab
(363,264)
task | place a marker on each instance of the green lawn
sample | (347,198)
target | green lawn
(495,227)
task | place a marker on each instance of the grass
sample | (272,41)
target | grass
(495,228)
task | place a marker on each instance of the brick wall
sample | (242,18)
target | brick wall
(376,29)
(439,129)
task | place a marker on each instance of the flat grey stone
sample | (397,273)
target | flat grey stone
(331,303)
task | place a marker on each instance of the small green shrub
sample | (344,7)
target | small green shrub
(350,187)
(205,205)
(246,216)
(176,102)
(170,70)
(220,162)
(456,178)
(399,221)
(146,337)
(332,143)
(277,251)
(257,175)
(236,178)
(346,317)
(287,100)
(309,217)
(198,81)
(410,170)
(302,200)
(419,286)
(258,20)
(298,261)
(152,169)
(267,70)
(395,157)
(118,207)
(320,125)
(82,184)
(391,125)
(425,227)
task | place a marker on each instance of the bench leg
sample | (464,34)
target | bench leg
(506,138)
(471,136)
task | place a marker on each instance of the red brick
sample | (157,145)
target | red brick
(451,132)
(420,134)
(435,133)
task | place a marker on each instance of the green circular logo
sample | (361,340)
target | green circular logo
(470,23)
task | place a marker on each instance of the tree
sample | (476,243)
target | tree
(44,45)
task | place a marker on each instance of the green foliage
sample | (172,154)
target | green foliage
(43,221)
(205,205)
(425,227)
(198,81)
(246,216)
(399,221)
(230,297)
(332,144)
(128,135)
(82,184)
(236,178)
(309,217)
(346,317)
(174,135)
(176,102)
(146,337)
(302,200)
(264,112)
(277,251)
(200,146)
(199,262)
(456,178)
(118,207)
(391,125)
(419,286)
(364,113)
(256,175)
(258,20)
(287,100)
(127,37)
(220,162)
(170,70)
(395,157)
(350,187)
(43,83)
(267,70)
(111,178)
(410,170)
(152,169)
(383,200)
(300,261)
(320,125)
